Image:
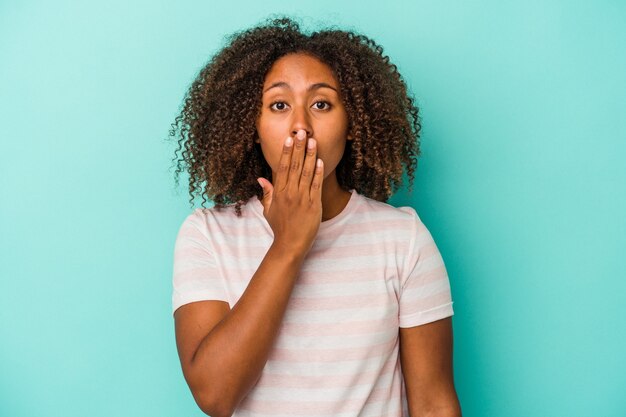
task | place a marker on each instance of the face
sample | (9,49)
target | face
(301,92)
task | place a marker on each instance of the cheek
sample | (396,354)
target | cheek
(271,153)
(266,146)
(331,152)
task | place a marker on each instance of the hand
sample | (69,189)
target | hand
(293,204)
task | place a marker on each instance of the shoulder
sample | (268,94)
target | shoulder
(396,227)
(405,215)
(224,219)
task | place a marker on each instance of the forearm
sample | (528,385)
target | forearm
(230,359)
(443,413)
(452,409)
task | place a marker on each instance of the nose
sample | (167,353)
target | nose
(300,121)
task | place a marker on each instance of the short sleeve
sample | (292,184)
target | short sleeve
(195,273)
(425,288)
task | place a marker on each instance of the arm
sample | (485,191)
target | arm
(222,351)
(426,358)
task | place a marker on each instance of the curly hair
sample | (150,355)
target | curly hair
(215,128)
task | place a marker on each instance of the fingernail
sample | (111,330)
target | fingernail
(301,134)
(260,183)
(311,143)
(289,141)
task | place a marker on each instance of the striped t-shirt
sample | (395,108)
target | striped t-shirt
(372,269)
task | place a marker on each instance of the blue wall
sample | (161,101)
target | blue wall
(521,183)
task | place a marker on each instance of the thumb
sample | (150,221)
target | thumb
(268,190)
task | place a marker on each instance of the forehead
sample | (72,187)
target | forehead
(297,68)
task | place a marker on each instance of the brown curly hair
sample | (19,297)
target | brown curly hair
(216,126)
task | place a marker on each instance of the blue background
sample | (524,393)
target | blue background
(521,183)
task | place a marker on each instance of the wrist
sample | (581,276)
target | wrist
(283,250)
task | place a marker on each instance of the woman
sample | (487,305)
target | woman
(312,296)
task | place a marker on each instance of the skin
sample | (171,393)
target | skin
(292,106)
(426,360)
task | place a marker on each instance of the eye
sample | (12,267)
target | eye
(281,105)
(325,105)
(278,105)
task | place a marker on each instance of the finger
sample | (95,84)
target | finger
(283,165)
(308,169)
(268,190)
(318,178)
(297,157)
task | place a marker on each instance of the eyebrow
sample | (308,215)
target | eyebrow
(311,87)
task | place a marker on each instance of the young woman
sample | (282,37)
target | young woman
(302,292)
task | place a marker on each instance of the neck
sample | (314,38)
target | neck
(334,198)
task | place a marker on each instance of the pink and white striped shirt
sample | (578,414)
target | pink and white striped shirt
(372,269)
